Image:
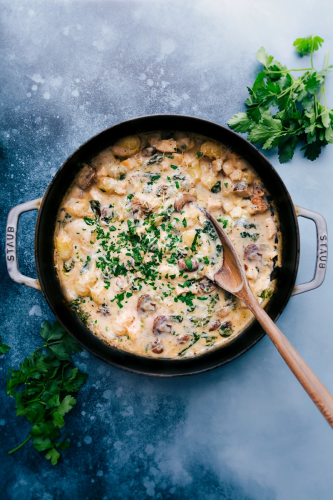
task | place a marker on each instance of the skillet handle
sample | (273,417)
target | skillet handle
(11,243)
(322,248)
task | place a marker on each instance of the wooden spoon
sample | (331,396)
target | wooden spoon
(232,278)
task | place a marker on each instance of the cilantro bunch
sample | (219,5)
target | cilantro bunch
(43,388)
(283,110)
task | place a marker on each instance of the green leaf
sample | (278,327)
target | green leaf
(263,57)
(45,330)
(240,122)
(272,142)
(325,118)
(42,444)
(313,83)
(46,429)
(312,151)
(308,44)
(64,444)
(267,127)
(77,383)
(286,148)
(53,455)
(259,81)
(3,348)
(60,351)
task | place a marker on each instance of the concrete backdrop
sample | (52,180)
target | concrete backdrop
(246,431)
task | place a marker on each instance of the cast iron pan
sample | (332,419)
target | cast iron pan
(50,285)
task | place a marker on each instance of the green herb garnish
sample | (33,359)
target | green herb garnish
(253,236)
(216,188)
(266,294)
(300,116)
(188,263)
(43,388)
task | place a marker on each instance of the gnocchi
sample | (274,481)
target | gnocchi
(136,255)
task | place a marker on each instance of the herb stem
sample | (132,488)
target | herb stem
(288,70)
(20,446)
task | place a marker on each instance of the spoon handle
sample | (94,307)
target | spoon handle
(315,389)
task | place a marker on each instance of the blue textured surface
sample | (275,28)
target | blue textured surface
(246,431)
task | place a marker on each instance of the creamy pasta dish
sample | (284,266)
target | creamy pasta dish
(136,255)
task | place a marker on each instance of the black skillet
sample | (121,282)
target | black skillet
(49,284)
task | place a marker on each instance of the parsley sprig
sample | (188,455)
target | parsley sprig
(283,110)
(43,388)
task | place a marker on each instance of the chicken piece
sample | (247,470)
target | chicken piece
(228,167)
(214,204)
(236,175)
(131,163)
(252,273)
(110,185)
(271,227)
(209,180)
(236,212)
(167,146)
(78,208)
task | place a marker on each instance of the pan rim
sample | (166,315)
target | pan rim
(163,361)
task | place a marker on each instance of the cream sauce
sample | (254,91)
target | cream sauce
(134,252)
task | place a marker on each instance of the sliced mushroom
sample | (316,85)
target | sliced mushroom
(150,151)
(146,304)
(182,339)
(242,189)
(157,348)
(140,207)
(258,205)
(214,325)
(107,213)
(258,190)
(189,265)
(206,286)
(252,253)
(86,177)
(161,325)
(182,200)
(162,190)
(104,310)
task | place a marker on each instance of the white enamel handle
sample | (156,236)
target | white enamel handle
(322,249)
(11,243)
